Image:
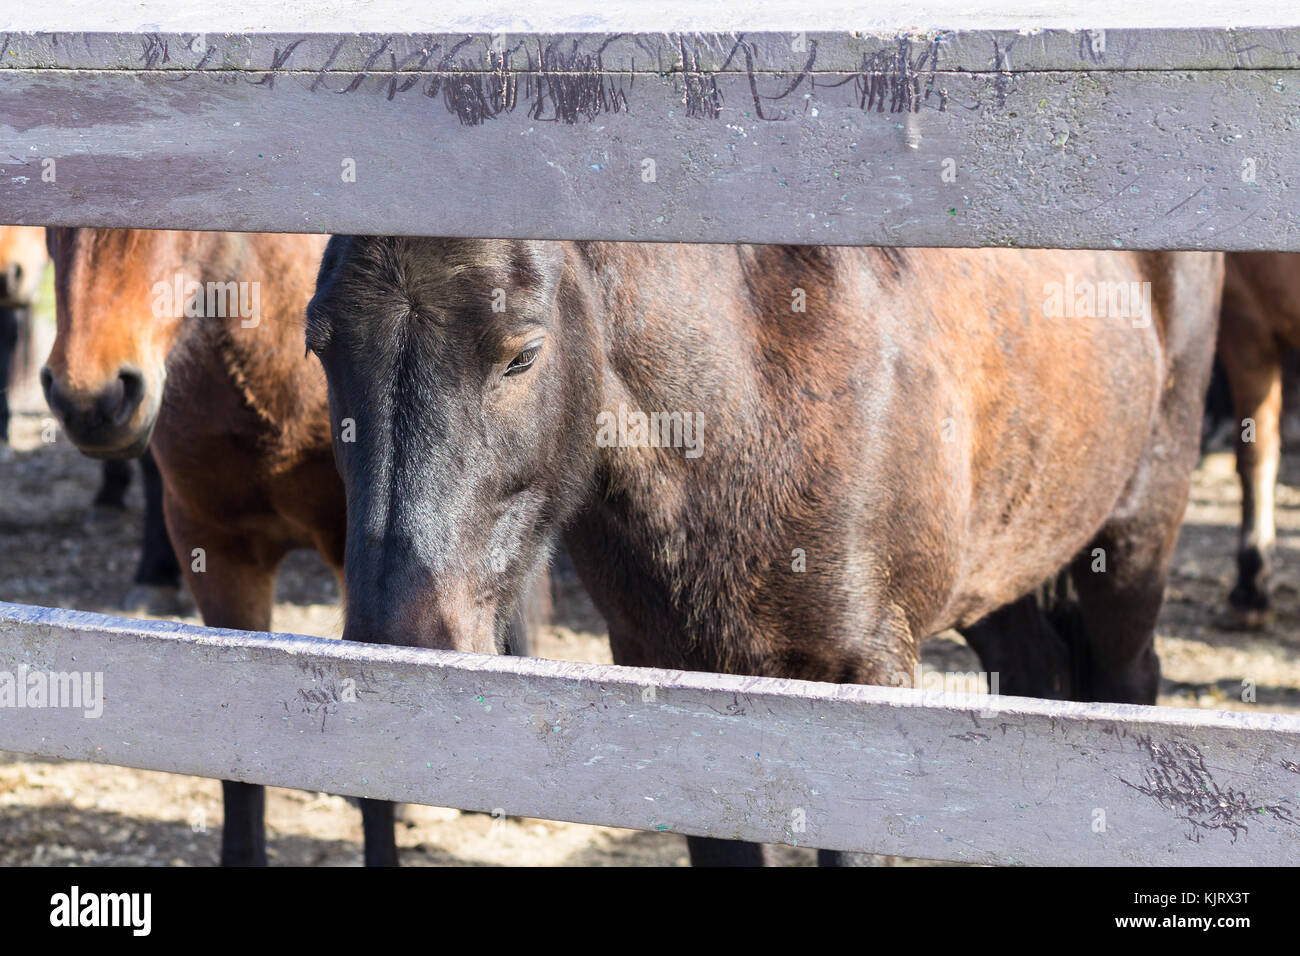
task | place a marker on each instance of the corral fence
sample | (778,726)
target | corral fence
(672,121)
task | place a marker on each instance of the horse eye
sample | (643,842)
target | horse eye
(316,340)
(524,359)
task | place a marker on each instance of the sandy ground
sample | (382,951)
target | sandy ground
(56,812)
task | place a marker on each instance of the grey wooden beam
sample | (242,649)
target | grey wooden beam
(1114,160)
(987,780)
(792,35)
(667,123)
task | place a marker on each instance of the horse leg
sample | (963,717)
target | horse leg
(9,323)
(158,575)
(378,817)
(710,851)
(243,827)
(530,615)
(1253,365)
(379,829)
(1116,660)
(1027,643)
(115,479)
(232,589)
(1120,576)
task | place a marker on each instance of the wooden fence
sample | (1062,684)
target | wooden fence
(1164,127)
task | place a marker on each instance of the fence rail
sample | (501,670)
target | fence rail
(681,122)
(976,779)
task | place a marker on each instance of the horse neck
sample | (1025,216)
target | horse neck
(264,360)
(663,342)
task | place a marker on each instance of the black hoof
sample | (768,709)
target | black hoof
(1235,618)
(1248,608)
(104,514)
(1251,590)
(1248,596)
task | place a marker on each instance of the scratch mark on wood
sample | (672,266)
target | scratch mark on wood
(154,51)
(700,93)
(1179,780)
(320,76)
(278,60)
(1199,190)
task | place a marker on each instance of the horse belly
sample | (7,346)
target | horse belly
(1062,478)
(1046,421)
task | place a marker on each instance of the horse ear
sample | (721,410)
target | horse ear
(328,261)
(325,277)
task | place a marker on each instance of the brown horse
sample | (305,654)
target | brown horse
(784,461)
(23,259)
(213,379)
(22,263)
(1260,321)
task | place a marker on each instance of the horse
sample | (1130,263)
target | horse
(1259,322)
(22,264)
(23,259)
(189,344)
(781,461)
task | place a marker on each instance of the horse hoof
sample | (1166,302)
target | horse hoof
(156,599)
(100,514)
(1244,619)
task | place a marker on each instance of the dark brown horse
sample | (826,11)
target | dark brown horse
(785,461)
(1260,321)
(213,379)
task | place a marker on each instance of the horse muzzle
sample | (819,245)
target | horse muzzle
(115,421)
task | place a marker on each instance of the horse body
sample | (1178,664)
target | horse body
(257,406)
(233,412)
(926,484)
(1260,320)
(22,263)
(921,445)
(23,258)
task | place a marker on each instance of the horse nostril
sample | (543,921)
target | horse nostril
(132,384)
(47,386)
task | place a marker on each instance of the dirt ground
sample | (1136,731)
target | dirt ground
(54,553)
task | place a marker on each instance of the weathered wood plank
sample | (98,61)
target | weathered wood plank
(843,767)
(793,35)
(1197,159)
